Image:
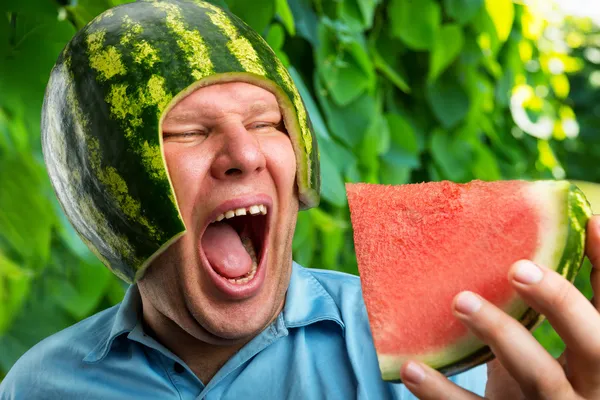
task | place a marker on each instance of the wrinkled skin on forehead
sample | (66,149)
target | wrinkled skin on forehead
(102,112)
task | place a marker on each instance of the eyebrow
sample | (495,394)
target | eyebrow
(259,107)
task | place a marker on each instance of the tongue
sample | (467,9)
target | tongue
(225,252)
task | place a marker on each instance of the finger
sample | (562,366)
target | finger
(595,281)
(428,384)
(593,253)
(500,383)
(572,316)
(539,375)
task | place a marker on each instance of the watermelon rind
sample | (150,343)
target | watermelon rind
(105,101)
(562,249)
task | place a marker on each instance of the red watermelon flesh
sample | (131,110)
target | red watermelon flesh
(418,246)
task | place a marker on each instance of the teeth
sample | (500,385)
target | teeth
(247,243)
(253,210)
(247,277)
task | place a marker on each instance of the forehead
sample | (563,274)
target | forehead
(218,99)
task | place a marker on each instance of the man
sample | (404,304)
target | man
(219,310)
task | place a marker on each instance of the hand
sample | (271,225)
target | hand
(523,369)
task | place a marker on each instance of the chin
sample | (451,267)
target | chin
(233,325)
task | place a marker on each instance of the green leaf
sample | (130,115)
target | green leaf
(115,290)
(303,230)
(462,11)
(12,350)
(326,222)
(26,215)
(343,159)
(367,7)
(494,24)
(349,124)
(415,22)
(304,245)
(258,13)
(549,339)
(332,184)
(449,101)
(37,37)
(81,294)
(306,20)
(276,38)
(447,47)
(15,284)
(282,9)
(343,62)
(4,133)
(5,36)
(403,153)
(394,74)
(351,15)
(332,243)
(392,174)
(39,318)
(485,166)
(375,142)
(502,13)
(400,158)
(41,7)
(403,134)
(453,157)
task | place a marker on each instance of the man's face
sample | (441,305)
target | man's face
(226,149)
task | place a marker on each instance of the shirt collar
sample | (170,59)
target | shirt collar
(306,302)
(125,321)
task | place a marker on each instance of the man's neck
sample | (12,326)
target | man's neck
(204,359)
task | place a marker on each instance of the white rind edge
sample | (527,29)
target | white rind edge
(551,198)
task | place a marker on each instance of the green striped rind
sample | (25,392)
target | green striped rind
(579,212)
(106,98)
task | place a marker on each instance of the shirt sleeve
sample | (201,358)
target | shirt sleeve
(473,380)
(9,387)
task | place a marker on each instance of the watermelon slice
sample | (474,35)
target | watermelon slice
(419,245)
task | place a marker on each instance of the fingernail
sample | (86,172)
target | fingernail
(467,303)
(413,373)
(527,273)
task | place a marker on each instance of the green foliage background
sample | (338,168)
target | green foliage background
(398,91)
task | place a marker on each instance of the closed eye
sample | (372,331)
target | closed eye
(268,125)
(183,135)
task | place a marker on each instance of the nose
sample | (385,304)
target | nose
(239,154)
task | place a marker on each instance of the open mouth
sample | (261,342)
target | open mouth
(235,242)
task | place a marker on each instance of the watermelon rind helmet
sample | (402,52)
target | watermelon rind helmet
(101,120)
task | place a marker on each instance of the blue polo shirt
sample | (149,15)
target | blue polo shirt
(319,347)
